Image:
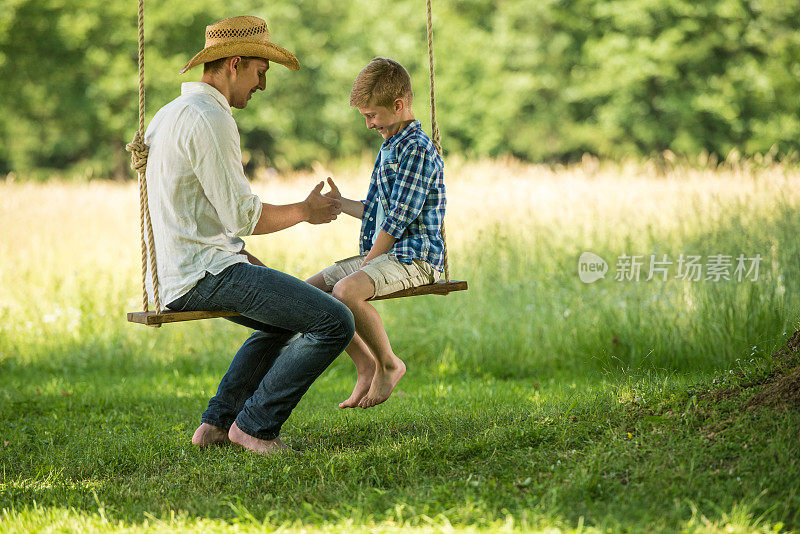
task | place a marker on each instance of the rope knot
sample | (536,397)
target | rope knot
(139,152)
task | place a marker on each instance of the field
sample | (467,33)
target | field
(534,401)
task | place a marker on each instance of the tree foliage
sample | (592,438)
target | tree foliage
(543,81)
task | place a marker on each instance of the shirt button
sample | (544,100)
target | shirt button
(370,218)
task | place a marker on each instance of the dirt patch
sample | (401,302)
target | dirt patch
(783,391)
(789,356)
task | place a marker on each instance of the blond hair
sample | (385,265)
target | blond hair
(380,83)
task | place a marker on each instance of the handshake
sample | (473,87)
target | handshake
(321,207)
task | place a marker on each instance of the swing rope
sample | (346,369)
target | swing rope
(139,151)
(437,142)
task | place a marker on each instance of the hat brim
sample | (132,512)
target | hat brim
(268,51)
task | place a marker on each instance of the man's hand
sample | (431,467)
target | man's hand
(315,209)
(321,209)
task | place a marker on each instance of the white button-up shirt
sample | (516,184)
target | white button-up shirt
(200,201)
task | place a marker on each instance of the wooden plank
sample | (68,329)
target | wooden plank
(439,288)
(152,318)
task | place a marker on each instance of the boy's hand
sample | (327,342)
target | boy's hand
(354,208)
(321,209)
(334,192)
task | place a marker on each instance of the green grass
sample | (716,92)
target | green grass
(532,402)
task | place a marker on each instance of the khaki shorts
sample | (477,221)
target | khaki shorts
(388,274)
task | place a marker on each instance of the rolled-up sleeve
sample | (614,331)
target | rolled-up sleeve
(409,191)
(217,161)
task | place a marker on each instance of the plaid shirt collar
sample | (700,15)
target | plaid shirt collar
(404,133)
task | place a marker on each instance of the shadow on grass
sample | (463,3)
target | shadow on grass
(476,455)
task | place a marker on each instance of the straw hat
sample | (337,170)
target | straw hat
(241,36)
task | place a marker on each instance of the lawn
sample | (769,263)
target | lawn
(533,402)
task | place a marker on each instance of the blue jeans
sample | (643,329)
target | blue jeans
(273,369)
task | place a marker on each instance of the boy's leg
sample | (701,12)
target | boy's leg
(381,276)
(354,290)
(365,371)
(318,281)
(358,352)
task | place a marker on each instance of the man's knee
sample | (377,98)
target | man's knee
(345,324)
(348,323)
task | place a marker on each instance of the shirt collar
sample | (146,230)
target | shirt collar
(188,88)
(403,134)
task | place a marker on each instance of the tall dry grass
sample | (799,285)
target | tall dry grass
(70,262)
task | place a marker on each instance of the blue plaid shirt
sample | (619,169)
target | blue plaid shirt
(408,181)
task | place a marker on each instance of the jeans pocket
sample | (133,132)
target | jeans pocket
(184,302)
(196,299)
(206,289)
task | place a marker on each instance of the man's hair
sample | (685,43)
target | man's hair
(380,83)
(217,64)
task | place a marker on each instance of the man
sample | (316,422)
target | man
(201,204)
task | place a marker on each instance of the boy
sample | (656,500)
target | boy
(401,243)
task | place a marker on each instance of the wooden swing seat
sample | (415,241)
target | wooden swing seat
(152,318)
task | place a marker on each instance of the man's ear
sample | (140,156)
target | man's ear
(399,105)
(235,62)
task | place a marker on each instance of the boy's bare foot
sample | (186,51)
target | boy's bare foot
(206,435)
(363,382)
(259,446)
(383,383)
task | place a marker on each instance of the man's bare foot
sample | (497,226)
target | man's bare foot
(363,382)
(383,383)
(206,435)
(259,446)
